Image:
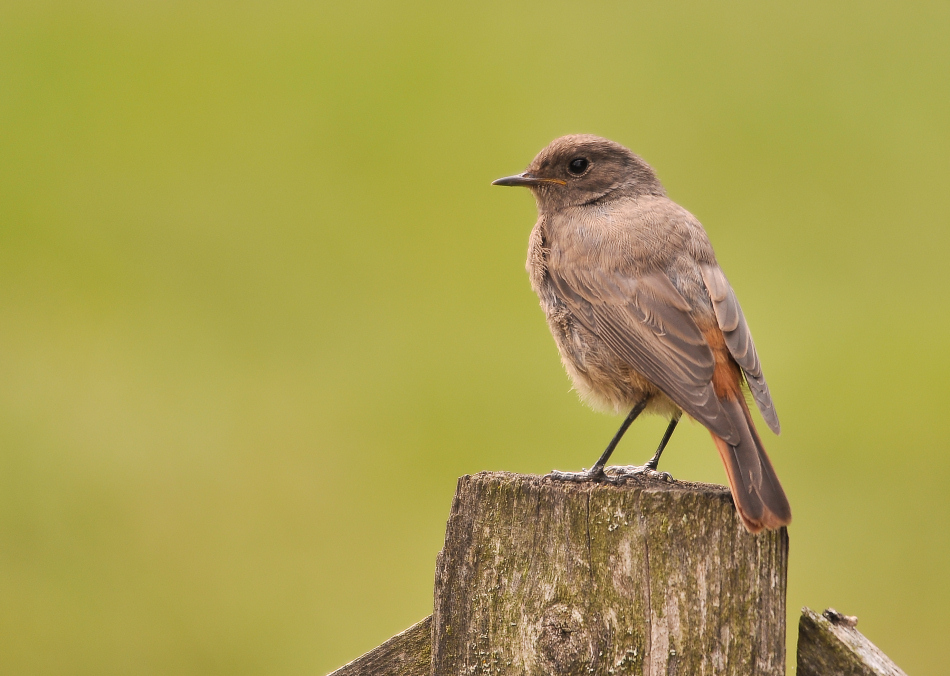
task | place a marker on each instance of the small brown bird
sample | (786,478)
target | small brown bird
(642,314)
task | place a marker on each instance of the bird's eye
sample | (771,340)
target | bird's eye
(578,166)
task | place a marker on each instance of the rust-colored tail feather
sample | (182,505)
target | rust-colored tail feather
(756,490)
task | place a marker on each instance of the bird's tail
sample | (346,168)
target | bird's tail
(758,495)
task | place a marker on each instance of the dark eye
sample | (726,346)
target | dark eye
(578,166)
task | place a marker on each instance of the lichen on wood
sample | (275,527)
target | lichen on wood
(651,577)
(830,645)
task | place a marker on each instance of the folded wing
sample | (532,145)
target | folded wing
(739,340)
(646,322)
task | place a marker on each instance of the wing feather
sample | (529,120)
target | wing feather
(646,322)
(739,340)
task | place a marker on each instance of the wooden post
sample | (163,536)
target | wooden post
(538,577)
(829,645)
(648,578)
(405,654)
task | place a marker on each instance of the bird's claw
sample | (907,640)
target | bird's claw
(622,472)
(593,474)
(615,474)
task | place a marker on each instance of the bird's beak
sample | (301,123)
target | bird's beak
(526,179)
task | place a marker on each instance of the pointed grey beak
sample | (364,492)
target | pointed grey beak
(526,179)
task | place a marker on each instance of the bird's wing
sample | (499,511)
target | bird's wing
(739,340)
(646,322)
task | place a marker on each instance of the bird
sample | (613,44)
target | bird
(643,316)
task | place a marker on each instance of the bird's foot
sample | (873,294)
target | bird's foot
(592,474)
(622,472)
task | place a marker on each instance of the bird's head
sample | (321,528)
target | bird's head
(584,169)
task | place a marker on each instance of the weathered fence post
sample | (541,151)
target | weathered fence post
(408,653)
(830,645)
(538,577)
(649,578)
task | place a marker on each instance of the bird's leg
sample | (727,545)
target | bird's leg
(655,460)
(596,473)
(651,464)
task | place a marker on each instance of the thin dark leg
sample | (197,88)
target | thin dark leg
(634,412)
(596,473)
(618,474)
(655,460)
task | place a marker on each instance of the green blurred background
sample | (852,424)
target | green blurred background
(259,306)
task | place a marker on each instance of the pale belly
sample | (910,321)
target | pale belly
(601,379)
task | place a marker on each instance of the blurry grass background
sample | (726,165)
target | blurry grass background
(259,306)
